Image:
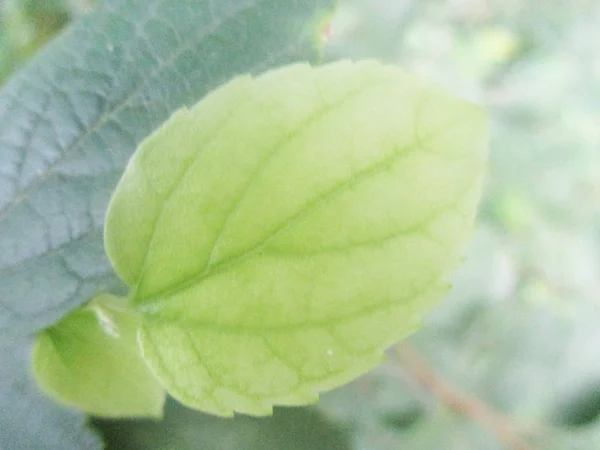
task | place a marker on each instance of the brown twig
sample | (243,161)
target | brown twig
(494,422)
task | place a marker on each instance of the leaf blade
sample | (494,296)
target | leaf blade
(299,216)
(223,371)
(90,360)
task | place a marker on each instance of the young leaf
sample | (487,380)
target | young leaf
(28,419)
(91,360)
(71,119)
(283,232)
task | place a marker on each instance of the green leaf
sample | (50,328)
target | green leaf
(283,232)
(91,360)
(28,419)
(71,119)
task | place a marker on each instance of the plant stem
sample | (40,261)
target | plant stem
(414,365)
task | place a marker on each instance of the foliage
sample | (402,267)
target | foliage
(519,329)
(71,119)
(29,419)
(90,360)
(274,248)
(25,25)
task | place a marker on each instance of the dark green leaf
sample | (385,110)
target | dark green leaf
(29,420)
(184,429)
(70,121)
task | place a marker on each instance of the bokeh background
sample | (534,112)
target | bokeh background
(511,359)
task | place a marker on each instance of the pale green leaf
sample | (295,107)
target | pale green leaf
(283,232)
(91,360)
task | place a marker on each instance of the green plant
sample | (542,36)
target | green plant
(374,155)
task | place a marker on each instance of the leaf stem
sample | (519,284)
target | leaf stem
(413,364)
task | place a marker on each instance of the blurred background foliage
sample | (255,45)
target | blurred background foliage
(519,331)
(26,25)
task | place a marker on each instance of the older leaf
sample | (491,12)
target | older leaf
(283,232)
(28,419)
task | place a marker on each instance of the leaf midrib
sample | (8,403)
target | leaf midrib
(337,189)
(431,284)
(280,144)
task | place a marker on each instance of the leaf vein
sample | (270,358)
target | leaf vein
(275,150)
